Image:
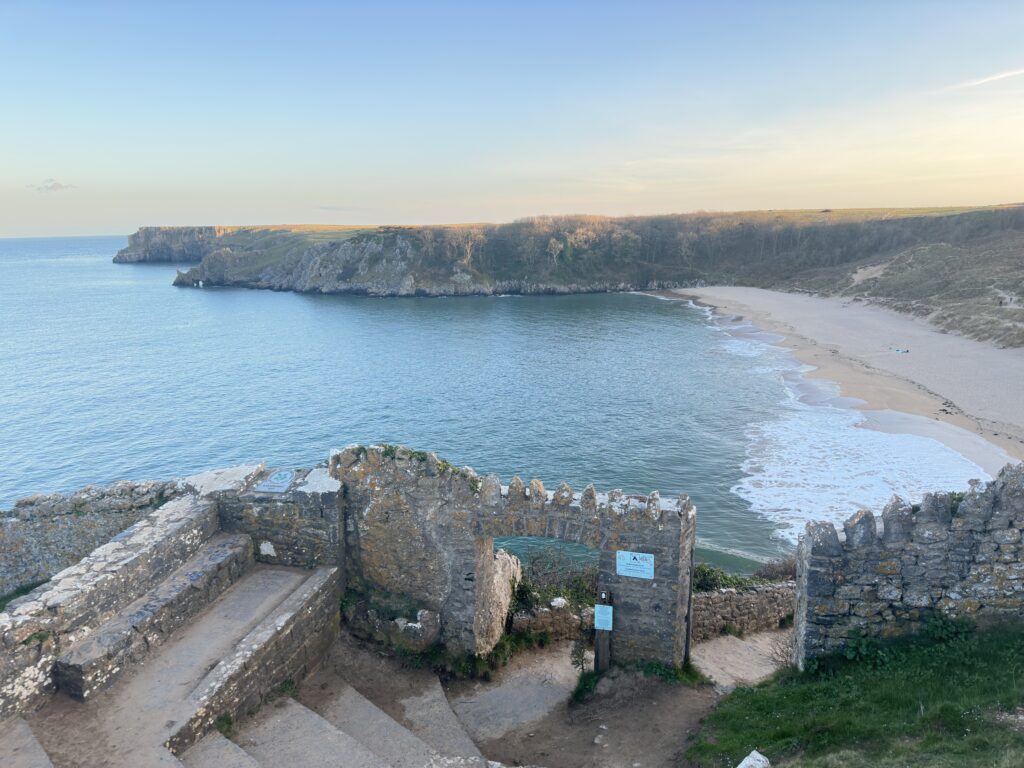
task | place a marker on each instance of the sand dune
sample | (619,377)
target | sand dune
(896,364)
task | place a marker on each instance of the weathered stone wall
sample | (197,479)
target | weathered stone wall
(559,620)
(44,534)
(958,556)
(36,628)
(300,524)
(754,609)
(418,527)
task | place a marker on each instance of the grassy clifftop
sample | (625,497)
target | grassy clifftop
(963,269)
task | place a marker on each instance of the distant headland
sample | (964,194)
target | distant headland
(959,268)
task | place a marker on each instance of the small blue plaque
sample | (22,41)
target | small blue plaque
(639,565)
(276,482)
(603,617)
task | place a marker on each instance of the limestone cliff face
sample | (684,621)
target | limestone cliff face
(169,244)
(417,261)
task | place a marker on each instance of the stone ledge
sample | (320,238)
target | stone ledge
(97,661)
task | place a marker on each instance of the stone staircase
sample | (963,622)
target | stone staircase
(152,637)
(343,730)
(171,633)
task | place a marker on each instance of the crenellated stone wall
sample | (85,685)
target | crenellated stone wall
(418,527)
(46,533)
(392,522)
(957,554)
(758,608)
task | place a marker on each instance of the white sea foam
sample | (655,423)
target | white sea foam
(814,460)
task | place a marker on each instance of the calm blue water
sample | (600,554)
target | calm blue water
(108,372)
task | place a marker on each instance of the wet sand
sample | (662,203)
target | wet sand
(967,394)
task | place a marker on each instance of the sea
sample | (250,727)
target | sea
(108,372)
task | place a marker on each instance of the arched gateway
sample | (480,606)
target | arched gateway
(420,529)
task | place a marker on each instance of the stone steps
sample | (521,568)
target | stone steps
(430,717)
(126,638)
(19,747)
(77,600)
(288,734)
(285,645)
(128,724)
(215,751)
(351,712)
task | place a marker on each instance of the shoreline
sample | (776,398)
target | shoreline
(847,343)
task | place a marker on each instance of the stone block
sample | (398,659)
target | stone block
(823,539)
(1006,536)
(860,530)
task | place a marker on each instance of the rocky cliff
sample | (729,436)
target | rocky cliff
(971,258)
(173,244)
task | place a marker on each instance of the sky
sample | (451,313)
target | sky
(119,115)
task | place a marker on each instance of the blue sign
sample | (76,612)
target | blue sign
(603,617)
(638,565)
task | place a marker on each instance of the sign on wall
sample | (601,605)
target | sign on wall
(603,617)
(276,482)
(638,565)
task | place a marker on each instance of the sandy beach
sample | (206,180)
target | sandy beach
(909,376)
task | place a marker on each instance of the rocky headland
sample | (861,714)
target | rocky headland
(961,269)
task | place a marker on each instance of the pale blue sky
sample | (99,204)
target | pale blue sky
(119,115)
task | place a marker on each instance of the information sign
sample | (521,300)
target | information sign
(638,565)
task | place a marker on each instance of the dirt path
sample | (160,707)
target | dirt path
(534,684)
(637,723)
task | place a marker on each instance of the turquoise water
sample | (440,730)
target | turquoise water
(109,373)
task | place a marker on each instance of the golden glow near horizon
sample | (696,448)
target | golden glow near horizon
(855,110)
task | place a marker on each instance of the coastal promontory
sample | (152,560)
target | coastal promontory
(960,269)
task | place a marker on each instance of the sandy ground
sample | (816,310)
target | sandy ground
(967,394)
(737,661)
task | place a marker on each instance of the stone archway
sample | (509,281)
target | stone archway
(418,527)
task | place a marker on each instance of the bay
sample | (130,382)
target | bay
(111,373)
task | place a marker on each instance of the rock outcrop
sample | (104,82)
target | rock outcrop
(171,244)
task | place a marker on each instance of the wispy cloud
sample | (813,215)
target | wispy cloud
(50,185)
(987,80)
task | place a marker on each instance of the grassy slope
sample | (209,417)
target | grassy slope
(910,704)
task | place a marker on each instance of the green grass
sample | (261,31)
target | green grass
(585,686)
(926,701)
(10,597)
(287,688)
(708,578)
(225,724)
